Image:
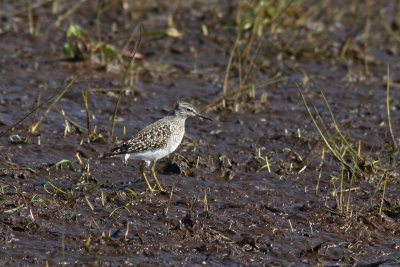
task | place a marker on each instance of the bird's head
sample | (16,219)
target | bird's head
(186,110)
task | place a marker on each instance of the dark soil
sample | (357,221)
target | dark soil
(275,193)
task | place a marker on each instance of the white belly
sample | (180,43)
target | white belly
(149,155)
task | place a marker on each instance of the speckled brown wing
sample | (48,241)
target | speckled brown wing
(149,138)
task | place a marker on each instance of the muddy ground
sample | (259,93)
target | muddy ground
(276,192)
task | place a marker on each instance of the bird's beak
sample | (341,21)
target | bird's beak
(204,117)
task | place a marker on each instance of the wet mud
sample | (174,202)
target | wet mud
(260,185)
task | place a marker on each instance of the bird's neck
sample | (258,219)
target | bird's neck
(179,117)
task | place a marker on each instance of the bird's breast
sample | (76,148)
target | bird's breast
(177,133)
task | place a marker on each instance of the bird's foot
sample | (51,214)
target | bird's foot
(159,190)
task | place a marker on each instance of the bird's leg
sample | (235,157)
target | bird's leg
(145,178)
(125,159)
(155,176)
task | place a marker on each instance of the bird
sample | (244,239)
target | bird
(156,140)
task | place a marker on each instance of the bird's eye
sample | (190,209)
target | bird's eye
(188,109)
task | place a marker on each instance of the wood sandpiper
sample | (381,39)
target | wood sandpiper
(157,140)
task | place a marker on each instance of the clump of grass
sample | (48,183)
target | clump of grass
(66,161)
(339,153)
(79,128)
(339,150)
(77,42)
(79,45)
(352,163)
(262,158)
(252,19)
